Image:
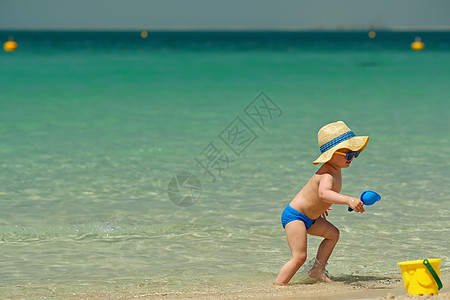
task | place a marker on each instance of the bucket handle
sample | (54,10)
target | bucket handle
(435,276)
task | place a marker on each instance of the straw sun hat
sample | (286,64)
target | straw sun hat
(336,136)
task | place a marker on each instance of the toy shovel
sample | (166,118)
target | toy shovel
(368,198)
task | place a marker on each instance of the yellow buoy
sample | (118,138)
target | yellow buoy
(417,45)
(144,34)
(372,34)
(10,46)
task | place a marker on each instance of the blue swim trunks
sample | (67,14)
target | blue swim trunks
(290,214)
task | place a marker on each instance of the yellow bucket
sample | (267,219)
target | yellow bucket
(421,277)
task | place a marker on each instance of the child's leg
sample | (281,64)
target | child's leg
(327,230)
(296,238)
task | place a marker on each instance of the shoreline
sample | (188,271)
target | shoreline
(379,290)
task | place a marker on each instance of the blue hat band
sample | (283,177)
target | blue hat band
(337,140)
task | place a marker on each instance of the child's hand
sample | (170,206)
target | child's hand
(356,204)
(325,214)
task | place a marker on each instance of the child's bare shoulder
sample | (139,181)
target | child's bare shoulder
(324,172)
(319,177)
(327,175)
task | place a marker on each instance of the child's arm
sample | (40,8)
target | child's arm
(326,194)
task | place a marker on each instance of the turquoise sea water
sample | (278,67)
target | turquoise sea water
(94,126)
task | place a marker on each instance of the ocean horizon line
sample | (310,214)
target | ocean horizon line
(200,29)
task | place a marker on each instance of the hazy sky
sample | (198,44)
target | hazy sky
(225,14)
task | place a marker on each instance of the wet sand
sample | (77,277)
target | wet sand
(380,290)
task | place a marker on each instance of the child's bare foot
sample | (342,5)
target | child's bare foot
(318,271)
(277,284)
(320,275)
